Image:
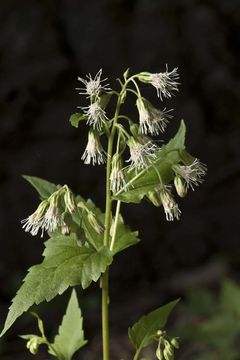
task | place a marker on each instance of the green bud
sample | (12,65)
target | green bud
(97,226)
(126,74)
(180,186)
(69,201)
(34,343)
(174,342)
(134,130)
(159,353)
(168,355)
(155,199)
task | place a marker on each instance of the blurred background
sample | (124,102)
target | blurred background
(44,46)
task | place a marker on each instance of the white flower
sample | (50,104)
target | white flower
(34,222)
(52,218)
(93,86)
(94,151)
(141,153)
(151,120)
(164,82)
(192,174)
(96,115)
(170,206)
(117,180)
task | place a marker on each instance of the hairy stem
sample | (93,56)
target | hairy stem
(107,224)
(108,218)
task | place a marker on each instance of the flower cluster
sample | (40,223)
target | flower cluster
(50,215)
(166,346)
(96,116)
(144,152)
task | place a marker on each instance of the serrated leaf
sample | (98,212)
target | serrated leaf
(124,237)
(43,187)
(65,264)
(143,333)
(70,336)
(76,118)
(139,185)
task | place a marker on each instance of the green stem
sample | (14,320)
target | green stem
(105,316)
(136,356)
(115,224)
(107,224)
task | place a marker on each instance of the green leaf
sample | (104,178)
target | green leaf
(139,185)
(70,336)
(76,118)
(65,264)
(43,187)
(124,237)
(143,333)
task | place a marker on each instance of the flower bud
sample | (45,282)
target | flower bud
(175,343)
(97,226)
(117,180)
(168,351)
(69,200)
(170,206)
(159,353)
(33,344)
(155,199)
(180,186)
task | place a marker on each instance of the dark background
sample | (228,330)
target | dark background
(44,46)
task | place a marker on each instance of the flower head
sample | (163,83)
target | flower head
(151,120)
(117,180)
(34,222)
(96,115)
(94,152)
(49,215)
(164,82)
(170,206)
(93,86)
(180,186)
(52,218)
(192,174)
(142,152)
